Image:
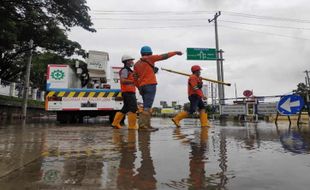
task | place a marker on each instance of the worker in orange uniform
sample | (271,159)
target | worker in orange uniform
(195,97)
(145,71)
(128,89)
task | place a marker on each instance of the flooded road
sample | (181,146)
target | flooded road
(229,155)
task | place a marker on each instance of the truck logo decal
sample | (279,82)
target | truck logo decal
(58,74)
(89,104)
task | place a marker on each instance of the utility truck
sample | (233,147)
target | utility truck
(74,92)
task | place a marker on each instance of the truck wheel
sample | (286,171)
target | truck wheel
(72,118)
(66,117)
(61,117)
(80,119)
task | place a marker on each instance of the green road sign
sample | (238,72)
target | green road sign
(201,54)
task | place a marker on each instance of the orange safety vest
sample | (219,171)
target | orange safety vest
(129,85)
(144,68)
(194,85)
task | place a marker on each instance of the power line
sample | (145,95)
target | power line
(200,20)
(266,17)
(267,25)
(198,12)
(268,33)
(164,13)
(152,19)
(151,27)
(150,12)
(193,26)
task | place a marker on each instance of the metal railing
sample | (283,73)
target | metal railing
(14,89)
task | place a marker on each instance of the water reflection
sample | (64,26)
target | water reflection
(198,158)
(223,161)
(199,176)
(18,146)
(295,140)
(234,156)
(130,177)
(144,179)
(128,150)
(73,158)
(252,140)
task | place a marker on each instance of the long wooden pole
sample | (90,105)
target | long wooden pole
(185,74)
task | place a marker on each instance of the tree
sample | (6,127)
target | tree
(44,21)
(304,92)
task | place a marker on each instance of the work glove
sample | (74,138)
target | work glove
(179,53)
(205,98)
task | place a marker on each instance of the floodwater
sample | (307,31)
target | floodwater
(229,155)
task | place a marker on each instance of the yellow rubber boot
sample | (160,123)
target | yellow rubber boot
(117,120)
(204,119)
(176,120)
(132,120)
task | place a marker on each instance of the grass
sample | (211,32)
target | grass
(14,101)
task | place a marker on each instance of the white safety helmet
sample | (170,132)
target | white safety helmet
(126,58)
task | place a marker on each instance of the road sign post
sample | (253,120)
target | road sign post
(198,54)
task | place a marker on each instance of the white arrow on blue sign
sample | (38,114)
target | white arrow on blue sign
(290,104)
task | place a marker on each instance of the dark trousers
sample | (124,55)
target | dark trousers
(195,102)
(130,102)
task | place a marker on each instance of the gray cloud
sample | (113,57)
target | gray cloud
(269,60)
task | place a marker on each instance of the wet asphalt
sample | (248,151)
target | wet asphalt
(230,155)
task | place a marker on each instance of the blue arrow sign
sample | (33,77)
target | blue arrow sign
(290,104)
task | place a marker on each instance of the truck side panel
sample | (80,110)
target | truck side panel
(84,100)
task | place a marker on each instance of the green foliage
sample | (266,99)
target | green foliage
(302,90)
(210,110)
(43,21)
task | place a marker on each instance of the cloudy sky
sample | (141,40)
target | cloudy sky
(266,42)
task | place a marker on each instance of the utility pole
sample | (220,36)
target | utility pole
(307,78)
(222,75)
(236,93)
(308,95)
(219,60)
(27,78)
